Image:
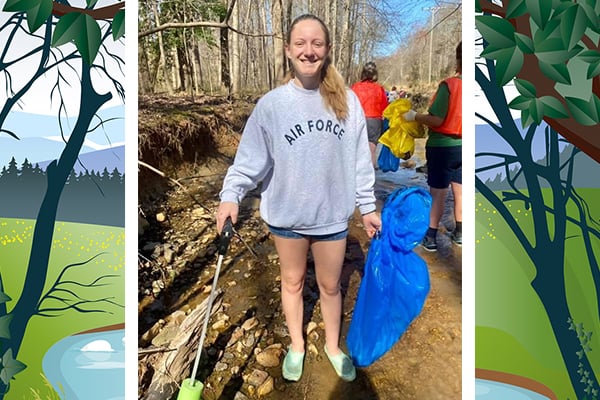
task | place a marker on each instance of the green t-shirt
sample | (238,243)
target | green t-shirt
(439,108)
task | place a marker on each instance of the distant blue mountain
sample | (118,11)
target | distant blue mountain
(27,125)
(34,149)
(98,160)
(35,132)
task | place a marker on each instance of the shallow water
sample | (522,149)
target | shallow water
(491,390)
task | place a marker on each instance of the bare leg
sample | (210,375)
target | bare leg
(329,259)
(457,194)
(437,206)
(292,258)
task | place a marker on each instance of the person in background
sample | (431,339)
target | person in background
(306,142)
(373,100)
(443,152)
(392,94)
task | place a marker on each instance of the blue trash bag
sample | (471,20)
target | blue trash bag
(387,161)
(396,280)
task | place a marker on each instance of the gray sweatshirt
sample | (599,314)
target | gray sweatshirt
(314,168)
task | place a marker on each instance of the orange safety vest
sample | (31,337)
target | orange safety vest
(452,124)
(372,98)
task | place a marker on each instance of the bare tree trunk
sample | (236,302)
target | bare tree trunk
(235,50)
(181,70)
(343,49)
(198,59)
(334,33)
(277,18)
(161,68)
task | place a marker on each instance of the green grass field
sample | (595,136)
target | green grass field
(513,333)
(72,243)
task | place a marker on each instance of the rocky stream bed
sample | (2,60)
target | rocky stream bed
(247,337)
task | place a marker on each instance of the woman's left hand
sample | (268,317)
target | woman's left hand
(372,223)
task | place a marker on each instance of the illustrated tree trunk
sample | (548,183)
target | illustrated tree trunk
(548,255)
(57,175)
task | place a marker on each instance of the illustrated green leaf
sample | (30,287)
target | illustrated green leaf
(478,8)
(552,51)
(539,10)
(524,42)
(592,11)
(118,25)
(11,367)
(584,111)
(38,14)
(91,3)
(67,28)
(508,65)
(553,108)
(557,72)
(4,297)
(491,52)
(520,103)
(573,23)
(551,31)
(526,119)
(526,88)
(515,9)
(596,104)
(89,38)
(536,110)
(18,5)
(496,31)
(593,70)
(5,326)
(589,56)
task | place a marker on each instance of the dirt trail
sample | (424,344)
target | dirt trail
(177,260)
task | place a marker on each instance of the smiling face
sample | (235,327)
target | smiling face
(307,48)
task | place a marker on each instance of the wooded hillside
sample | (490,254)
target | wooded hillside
(231,47)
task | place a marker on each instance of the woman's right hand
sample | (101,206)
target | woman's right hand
(226,209)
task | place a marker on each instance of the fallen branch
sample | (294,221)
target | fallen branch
(143,352)
(159,172)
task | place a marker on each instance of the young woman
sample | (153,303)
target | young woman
(306,141)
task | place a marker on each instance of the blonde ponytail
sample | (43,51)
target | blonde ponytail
(333,90)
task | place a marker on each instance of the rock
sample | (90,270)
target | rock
(311,327)
(269,357)
(221,366)
(165,336)
(266,387)
(240,396)
(312,349)
(257,377)
(250,323)
(220,324)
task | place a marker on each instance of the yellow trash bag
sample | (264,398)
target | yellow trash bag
(400,137)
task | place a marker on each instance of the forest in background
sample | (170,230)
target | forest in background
(229,47)
(92,197)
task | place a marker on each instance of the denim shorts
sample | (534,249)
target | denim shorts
(289,234)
